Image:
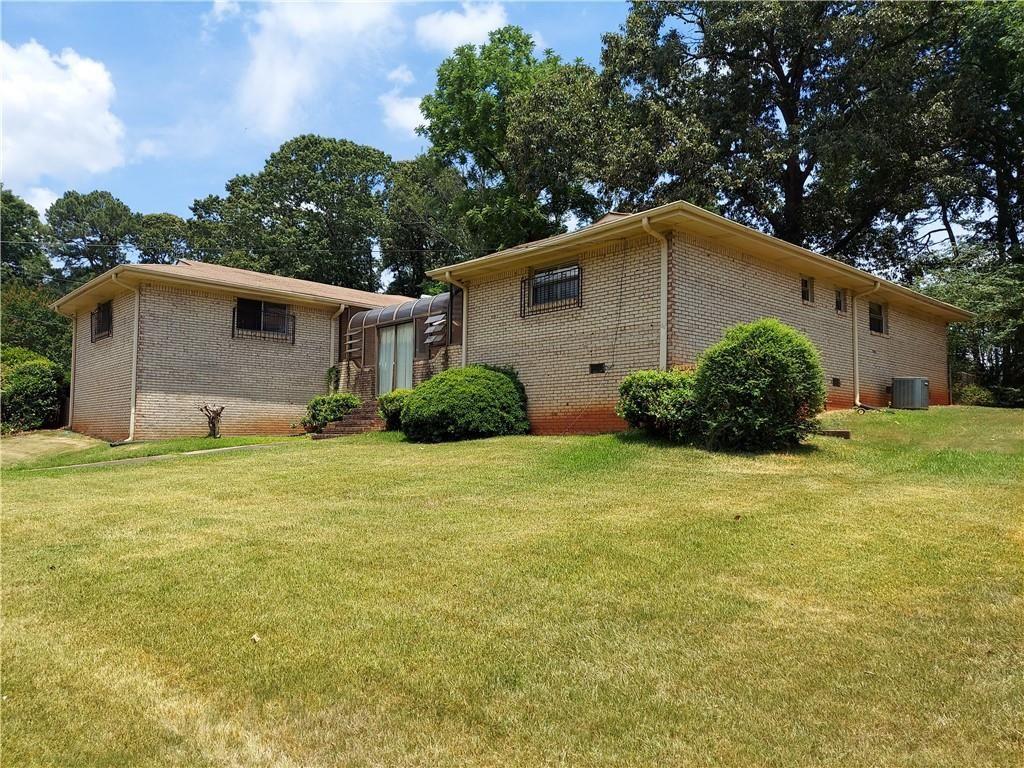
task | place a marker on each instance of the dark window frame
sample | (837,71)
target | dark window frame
(101,321)
(878,322)
(842,301)
(806,289)
(551,288)
(259,319)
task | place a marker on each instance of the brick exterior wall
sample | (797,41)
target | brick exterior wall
(710,289)
(616,324)
(187,357)
(103,374)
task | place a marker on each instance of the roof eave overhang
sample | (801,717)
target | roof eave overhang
(691,219)
(134,274)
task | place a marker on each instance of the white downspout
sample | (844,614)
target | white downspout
(663,314)
(135,356)
(71,395)
(335,336)
(465,330)
(856,350)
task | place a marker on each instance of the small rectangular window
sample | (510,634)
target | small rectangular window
(841,301)
(263,319)
(807,290)
(878,322)
(102,321)
(548,289)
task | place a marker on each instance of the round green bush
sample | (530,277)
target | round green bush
(30,398)
(463,403)
(389,408)
(759,388)
(973,394)
(641,394)
(12,357)
(323,409)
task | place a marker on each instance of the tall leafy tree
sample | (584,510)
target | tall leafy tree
(822,116)
(468,118)
(160,238)
(315,211)
(92,232)
(424,225)
(24,238)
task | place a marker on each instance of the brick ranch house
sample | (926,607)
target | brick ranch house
(152,342)
(573,314)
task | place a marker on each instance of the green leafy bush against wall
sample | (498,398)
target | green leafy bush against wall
(324,409)
(389,408)
(32,388)
(463,403)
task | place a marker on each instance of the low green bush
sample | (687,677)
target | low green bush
(324,409)
(463,403)
(973,394)
(1008,397)
(759,388)
(641,394)
(389,408)
(677,414)
(31,394)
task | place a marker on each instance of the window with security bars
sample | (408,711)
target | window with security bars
(263,320)
(878,320)
(550,289)
(101,321)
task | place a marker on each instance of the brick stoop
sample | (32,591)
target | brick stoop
(363,419)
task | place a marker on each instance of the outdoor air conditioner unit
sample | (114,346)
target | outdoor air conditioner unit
(910,393)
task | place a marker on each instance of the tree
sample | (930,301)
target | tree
(24,241)
(29,322)
(160,238)
(424,226)
(468,118)
(822,117)
(92,232)
(315,211)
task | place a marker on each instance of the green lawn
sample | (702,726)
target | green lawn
(526,601)
(98,451)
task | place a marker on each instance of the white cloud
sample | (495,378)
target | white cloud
(401,113)
(295,48)
(57,115)
(219,12)
(446,30)
(41,198)
(401,75)
(149,148)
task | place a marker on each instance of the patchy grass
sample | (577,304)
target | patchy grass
(577,600)
(100,451)
(28,446)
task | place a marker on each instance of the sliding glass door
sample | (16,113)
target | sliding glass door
(395,347)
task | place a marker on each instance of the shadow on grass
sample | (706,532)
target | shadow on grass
(637,437)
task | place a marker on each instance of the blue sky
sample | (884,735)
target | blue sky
(161,103)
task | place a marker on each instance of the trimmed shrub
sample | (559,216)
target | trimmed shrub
(973,394)
(30,398)
(678,415)
(759,388)
(641,393)
(464,403)
(389,408)
(324,409)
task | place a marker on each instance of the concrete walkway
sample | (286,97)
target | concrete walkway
(159,457)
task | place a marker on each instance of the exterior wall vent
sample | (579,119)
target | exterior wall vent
(910,393)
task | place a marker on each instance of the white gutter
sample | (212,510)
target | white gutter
(465,331)
(856,350)
(135,355)
(663,314)
(335,336)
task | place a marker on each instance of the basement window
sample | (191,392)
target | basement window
(878,318)
(101,321)
(807,290)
